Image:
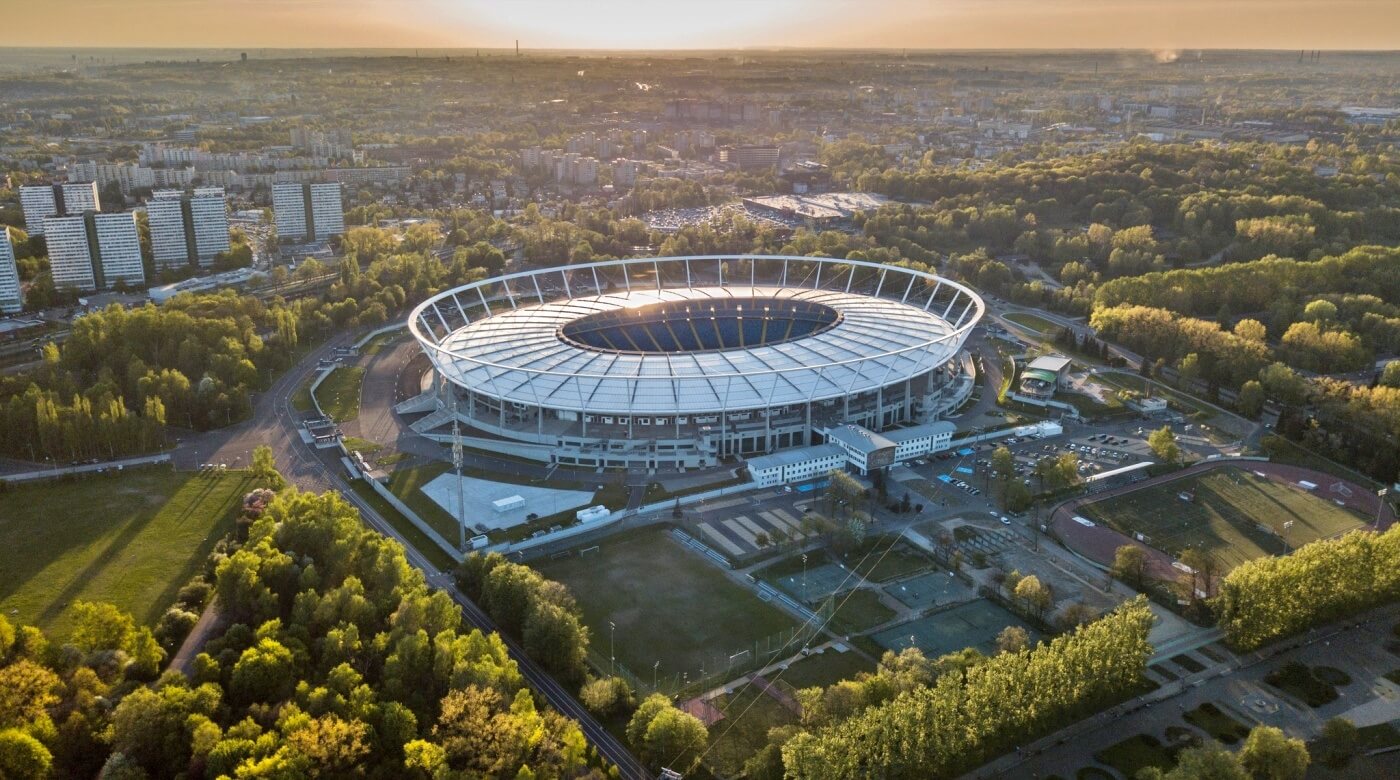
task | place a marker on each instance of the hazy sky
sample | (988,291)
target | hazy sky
(664,24)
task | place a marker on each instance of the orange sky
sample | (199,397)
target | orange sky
(664,24)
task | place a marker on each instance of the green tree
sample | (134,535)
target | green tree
(1320,311)
(607,696)
(1003,463)
(1270,755)
(1130,565)
(1390,375)
(1338,742)
(1012,639)
(1208,762)
(264,468)
(959,720)
(22,757)
(643,716)
(1163,444)
(1016,497)
(1033,594)
(674,739)
(264,672)
(1251,398)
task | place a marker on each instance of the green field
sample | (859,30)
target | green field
(339,394)
(374,345)
(825,669)
(669,604)
(131,540)
(1234,515)
(1036,323)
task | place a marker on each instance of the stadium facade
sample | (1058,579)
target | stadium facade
(686,362)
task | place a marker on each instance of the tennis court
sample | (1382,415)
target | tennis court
(930,589)
(820,581)
(974,624)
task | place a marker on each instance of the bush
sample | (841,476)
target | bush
(1338,742)
(174,626)
(1210,719)
(195,594)
(1331,675)
(607,697)
(1300,681)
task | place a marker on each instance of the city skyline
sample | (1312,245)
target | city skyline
(724,24)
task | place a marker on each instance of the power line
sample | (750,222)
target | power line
(850,573)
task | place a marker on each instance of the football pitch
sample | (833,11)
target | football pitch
(668,604)
(1229,512)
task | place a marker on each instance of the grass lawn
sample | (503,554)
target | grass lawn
(365,446)
(859,612)
(1306,684)
(669,605)
(825,669)
(374,345)
(1220,726)
(749,732)
(301,399)
(339,394)
(131,540)
(1035,322)
(1136,753)
(1234,515)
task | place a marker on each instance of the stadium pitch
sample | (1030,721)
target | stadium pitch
(1231,513)
(669,605)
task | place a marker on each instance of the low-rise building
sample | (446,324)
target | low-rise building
(795,465)
(1043,376)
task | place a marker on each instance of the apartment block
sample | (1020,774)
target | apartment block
(188,229)
(308,211)
(11,301)
(94,251)
(42,201)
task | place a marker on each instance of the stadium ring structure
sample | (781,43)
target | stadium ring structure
(684,362)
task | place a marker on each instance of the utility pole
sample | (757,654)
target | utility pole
(457,466)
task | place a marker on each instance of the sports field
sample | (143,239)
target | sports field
(131,540)
(1229,512)
(974,624)
(669,605)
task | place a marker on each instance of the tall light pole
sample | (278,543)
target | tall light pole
(1380,505)
(654,667)
(457,466)
(612,648)
(804,576)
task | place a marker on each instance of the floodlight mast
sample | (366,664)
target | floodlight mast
(457,467)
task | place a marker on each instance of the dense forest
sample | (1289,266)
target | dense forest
(123,374)
(338,661)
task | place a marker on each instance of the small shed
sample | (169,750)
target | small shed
(503,505)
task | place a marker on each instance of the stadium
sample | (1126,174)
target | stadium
(689,362)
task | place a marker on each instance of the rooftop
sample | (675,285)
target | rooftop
(936,428)
(1052,363)
(794,456)
(859,439)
